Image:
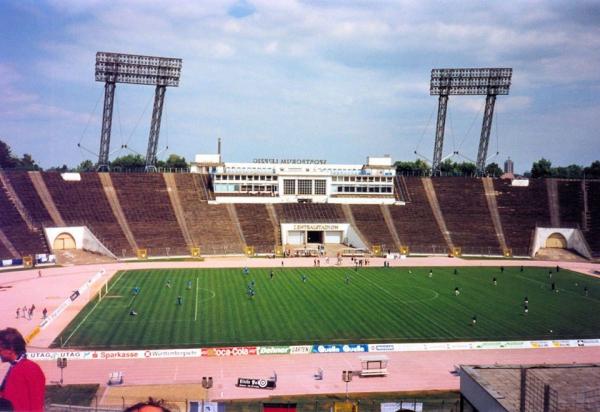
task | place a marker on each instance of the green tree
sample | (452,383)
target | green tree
(541,168)
(448,167)
(130,161)
(85,166)
(176,162)
(404,167)
(493,170)
(418,167)
(593,171)
(466,168)
(7,160)
(574,171)
(27,163)
(62,169)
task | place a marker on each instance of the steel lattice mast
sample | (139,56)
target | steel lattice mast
(113,68)
(484,81)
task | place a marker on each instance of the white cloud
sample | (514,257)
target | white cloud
(321,67)
(271,47)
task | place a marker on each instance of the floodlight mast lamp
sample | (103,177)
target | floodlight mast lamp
(113,68)
(483,81)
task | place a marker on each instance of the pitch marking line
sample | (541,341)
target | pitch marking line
(196,308)
(92,310)
(404,301)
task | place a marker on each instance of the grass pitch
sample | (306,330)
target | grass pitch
(335,305)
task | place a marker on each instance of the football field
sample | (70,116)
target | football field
(224,307)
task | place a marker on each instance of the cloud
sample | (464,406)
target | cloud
(241,9)
(264,69)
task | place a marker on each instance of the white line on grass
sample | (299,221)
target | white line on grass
(196,308)
(404,301)
(88,315)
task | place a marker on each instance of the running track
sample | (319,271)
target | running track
(408,371)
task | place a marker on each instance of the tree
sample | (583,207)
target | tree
(593,171)
(466,168)
(85,166)
(493,170)
(7,161)
(541,168)
(129,161)
(447,167)
(61,169)
(176,162)
(574,171)
(27,163)
(450,168)
(418,167)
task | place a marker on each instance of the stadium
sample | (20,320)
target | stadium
(335,276)
(276,279)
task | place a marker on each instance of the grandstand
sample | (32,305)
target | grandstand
(167,215)
(170,214)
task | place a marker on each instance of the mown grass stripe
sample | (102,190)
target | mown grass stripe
(379,304)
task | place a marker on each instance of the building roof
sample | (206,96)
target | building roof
(572,387)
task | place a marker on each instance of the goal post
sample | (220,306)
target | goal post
(103,291)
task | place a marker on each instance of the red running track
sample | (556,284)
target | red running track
(408,371)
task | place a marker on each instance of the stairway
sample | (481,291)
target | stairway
(276,227)
(8,245)
(553,205)
(387,216)
(490,197)
(72,257)
(402,189)
(113,201)
(437,212)
(350,219)
(585,218)
(16,201)
(234,218)
(46,197)
(177,209)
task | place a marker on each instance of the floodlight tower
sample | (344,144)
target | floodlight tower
(485,81)
(113,68)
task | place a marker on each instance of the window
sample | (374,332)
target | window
(289,187)
(304,187)
(320,187)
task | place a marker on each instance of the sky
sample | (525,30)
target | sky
(336,80)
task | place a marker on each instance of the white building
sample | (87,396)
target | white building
(299,180)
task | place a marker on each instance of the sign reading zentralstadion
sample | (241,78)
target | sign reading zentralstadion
(317,227)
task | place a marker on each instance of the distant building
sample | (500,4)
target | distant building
(299,180)
(509,166)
